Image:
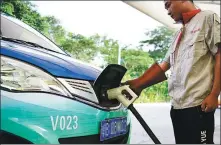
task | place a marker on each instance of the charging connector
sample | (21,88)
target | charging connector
(117,93)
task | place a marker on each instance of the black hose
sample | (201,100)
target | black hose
(143,123)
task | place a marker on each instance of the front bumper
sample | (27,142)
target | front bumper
(95,139)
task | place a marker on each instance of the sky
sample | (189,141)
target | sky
(115,19)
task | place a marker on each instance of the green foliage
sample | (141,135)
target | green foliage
(7,7)
(80,47)
(160,38)
(107,47)
(156,93)
(87,48)
(136,61)
(54,30)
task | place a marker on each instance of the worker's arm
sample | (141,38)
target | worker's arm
(211,101)
(165,66)
(153,75)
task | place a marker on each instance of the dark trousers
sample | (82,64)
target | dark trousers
(192,126)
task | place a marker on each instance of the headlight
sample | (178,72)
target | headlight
(19,76)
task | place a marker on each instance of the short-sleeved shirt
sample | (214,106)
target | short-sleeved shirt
(192,60)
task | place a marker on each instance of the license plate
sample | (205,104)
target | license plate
(114,127)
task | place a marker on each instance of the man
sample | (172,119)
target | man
(194,61)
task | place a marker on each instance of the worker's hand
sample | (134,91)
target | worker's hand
(210,103)
(133,84)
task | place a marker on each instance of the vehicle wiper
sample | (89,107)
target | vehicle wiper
(27,43)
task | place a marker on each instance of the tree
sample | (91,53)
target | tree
(136,61)
(54,30)
(160,38)
(80,47)
(7,7)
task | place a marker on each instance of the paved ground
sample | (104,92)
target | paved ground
(158,119)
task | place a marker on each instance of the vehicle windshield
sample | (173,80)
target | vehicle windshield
(14,28)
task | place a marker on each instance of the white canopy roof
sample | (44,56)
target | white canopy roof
(156,10)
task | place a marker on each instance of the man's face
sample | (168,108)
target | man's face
(174,8)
